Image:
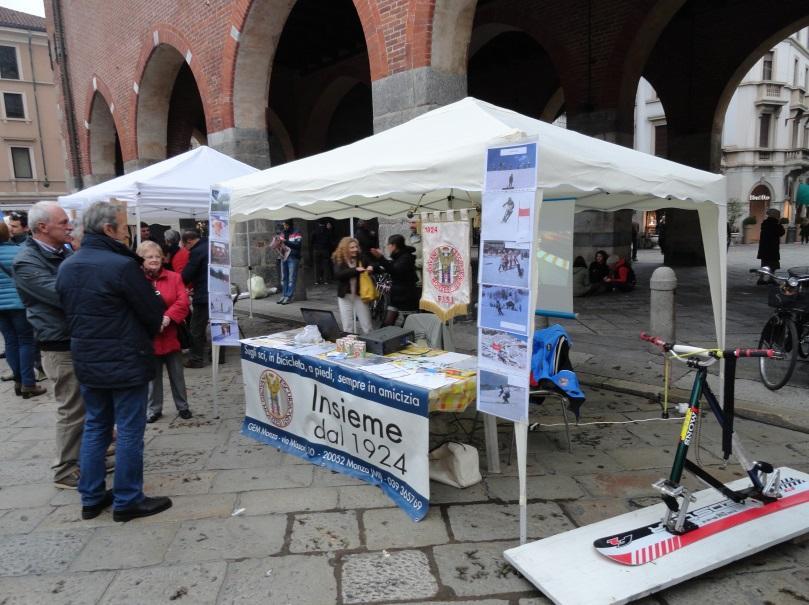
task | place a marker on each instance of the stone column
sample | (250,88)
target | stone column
(405,95)
(248,145)
(137,164)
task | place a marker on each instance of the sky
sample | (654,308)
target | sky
(35,7)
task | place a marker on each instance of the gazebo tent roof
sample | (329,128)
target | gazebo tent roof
(177,187)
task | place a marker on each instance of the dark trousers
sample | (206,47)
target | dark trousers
(322,262)
(199,332)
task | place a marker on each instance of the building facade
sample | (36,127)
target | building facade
(32,167)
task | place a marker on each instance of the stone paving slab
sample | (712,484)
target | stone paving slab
(386,576)
(26,496)
(63,589)
(301,579)
(485,522)
(167,585)
(362,496)
(324,532)
(291,500)
(40,553)
(125,546)
(545,487)
(22,521)
(233,538)
(239,480)
(478,569)
(391,528)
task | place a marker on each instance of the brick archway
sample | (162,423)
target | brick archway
(163,54)
(102,134)
(249,69)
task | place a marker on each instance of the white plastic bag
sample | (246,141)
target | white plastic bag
(309,336)
(258,289)
(455,464)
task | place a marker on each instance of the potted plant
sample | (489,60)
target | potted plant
(749,231)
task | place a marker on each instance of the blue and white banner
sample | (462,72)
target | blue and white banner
(361,425)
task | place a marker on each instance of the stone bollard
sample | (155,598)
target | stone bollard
(661,308)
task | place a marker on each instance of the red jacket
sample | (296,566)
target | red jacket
(172,291)
(179,260)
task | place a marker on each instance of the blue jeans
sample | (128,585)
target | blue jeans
(103,409)
(20,348)
(289,273)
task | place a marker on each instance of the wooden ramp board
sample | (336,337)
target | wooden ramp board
(557,565)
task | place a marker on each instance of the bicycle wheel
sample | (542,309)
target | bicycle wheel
(779,333)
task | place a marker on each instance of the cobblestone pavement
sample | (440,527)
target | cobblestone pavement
(307,536)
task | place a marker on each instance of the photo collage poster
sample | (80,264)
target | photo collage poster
(505,306)
(224,328)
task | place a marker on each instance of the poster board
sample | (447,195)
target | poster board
(224,328)
(507,279)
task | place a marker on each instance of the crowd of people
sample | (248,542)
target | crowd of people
(105,319)
(605,274)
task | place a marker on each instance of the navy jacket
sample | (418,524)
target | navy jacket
(195,273)
(113,314)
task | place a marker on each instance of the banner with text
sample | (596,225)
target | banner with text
(446,283)
(220,303)
(364,426)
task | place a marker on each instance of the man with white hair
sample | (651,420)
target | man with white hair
(35,268)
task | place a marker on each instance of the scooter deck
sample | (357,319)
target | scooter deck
(556,565)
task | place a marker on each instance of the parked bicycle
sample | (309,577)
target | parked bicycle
(787,330)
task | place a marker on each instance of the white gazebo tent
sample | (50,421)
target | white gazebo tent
(436,162)
(178,187)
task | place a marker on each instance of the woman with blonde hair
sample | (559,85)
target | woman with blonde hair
(348,266)
(167,349)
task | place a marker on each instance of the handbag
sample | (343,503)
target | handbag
(367,288)
(455,464)
(183,335)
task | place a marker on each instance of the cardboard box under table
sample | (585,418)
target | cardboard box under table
(366,417)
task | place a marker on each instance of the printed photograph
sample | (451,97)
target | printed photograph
(505,264)
(220,306)
(504,308)
(502,395)
(220,253)
(225,334)
(219,280)
(513,167)
(502,351)
(220,200)
(504,213)
(220,228)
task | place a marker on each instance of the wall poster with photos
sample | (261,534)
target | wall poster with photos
(506,301)
(224,328)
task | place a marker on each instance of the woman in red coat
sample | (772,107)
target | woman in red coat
(167,349)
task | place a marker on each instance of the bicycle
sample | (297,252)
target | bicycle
(787,330)
(379,307)
(655,540)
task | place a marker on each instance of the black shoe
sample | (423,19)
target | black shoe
(145,508)
(193,364)
(282,300)
(185,414)
(153,417)
(91,512)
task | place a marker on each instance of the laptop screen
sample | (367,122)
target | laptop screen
(325,322)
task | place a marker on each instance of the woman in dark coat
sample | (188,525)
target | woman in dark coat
(404,294)
(770,241)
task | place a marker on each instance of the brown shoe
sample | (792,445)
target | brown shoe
(32,391)
(70,481)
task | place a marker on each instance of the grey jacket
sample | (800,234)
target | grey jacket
(35,273)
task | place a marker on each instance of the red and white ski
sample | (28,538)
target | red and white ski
(651,542)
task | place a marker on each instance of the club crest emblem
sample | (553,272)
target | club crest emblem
(446,268)
(618,541)
(276,398)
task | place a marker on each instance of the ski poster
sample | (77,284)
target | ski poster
(220,303)
(446,284)
(506,300)
(351,422)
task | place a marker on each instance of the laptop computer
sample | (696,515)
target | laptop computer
(325,322)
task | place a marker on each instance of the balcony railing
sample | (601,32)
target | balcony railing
(770,93)
(798,99)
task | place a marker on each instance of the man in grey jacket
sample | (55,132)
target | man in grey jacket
(35,270)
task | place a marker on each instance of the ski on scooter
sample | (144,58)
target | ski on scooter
(645,544)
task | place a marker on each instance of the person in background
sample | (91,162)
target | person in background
(195,277)
(805,230)
(635,235)
(348,265)
(769,243)
(404,295)
(171,246)
(18,226)
(367,237)
(75,237)
(581,277)
(598,269)
(17,332)
(167,350)
(621,277)
(322,246)
(414,239)
(113,314)
(289,267)
(35,268)
(145,232)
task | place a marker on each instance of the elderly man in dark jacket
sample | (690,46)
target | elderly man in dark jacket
(35,270)
(195,276)
(113,314)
